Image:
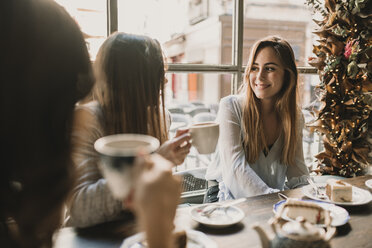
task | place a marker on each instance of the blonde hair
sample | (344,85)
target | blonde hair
(286,107)
(130,81)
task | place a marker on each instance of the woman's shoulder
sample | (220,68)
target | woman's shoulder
(86,113)
(231,107)
(89,106)
(236,100)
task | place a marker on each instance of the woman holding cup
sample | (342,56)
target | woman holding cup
(260,144)
(127,98)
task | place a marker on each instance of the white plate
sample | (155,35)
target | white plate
(220,218)
(339,215)
(195,239)
(360,196)
(369,183)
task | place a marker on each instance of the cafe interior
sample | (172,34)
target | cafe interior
(206,47)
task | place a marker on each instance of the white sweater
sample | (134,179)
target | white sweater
(237,178)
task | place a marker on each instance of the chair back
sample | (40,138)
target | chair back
(176,110)
(204,117)
(198,110)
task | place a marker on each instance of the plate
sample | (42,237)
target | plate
(195,239)
(324,178)
(360,196)
(220,218)
(339,215)
(369,183)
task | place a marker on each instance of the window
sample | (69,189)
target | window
(206,42)
(91,16)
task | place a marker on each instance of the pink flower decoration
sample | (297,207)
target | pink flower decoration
(348,49)
(310,58)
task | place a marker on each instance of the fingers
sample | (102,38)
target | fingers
(128,202)
(178,141)
(185,148)
(161,163)
(143,160)
(181,131)
(178,155)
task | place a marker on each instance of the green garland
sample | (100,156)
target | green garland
(344,62)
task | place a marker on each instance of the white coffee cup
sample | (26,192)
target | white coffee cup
(117,155)
(204,136)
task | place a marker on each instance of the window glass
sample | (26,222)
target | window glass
(189,30)
(308,99)
(289,19)
(193,98)
(91,16)
(185,89)
(186,92)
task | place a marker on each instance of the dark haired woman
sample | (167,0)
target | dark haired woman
(44,70)
(127,98)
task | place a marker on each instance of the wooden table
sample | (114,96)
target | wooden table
(356,233)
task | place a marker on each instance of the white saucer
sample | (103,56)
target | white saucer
(338,214)
(360,196)
(195,239)
(369,183)
(219,218)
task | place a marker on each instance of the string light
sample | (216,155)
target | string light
(341,123)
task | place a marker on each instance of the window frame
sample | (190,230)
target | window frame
(236,68)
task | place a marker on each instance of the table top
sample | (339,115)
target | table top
(259,209)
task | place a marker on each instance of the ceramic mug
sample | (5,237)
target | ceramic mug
(204,136)
(117,155)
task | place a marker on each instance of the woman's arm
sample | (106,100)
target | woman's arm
(297,174)
(237,175)
(91,202)
(177,148)
(156,198)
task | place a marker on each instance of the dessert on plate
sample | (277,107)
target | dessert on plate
(311,211)
(339,191)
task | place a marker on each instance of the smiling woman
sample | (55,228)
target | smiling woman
(260,144)
(267,74)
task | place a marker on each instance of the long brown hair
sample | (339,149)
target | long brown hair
(285,105)
(45,69)
(130,81)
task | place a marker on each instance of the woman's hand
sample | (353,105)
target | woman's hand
(176,149)
(156,197)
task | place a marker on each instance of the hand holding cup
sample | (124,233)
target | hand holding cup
(117,159)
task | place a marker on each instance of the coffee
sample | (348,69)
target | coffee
(125,145)
(204,124)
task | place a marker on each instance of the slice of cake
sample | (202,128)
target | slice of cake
(312,212)
(339,191)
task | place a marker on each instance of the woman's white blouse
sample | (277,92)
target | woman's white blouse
(237,178)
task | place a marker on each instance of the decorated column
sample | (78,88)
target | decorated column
(344,61)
